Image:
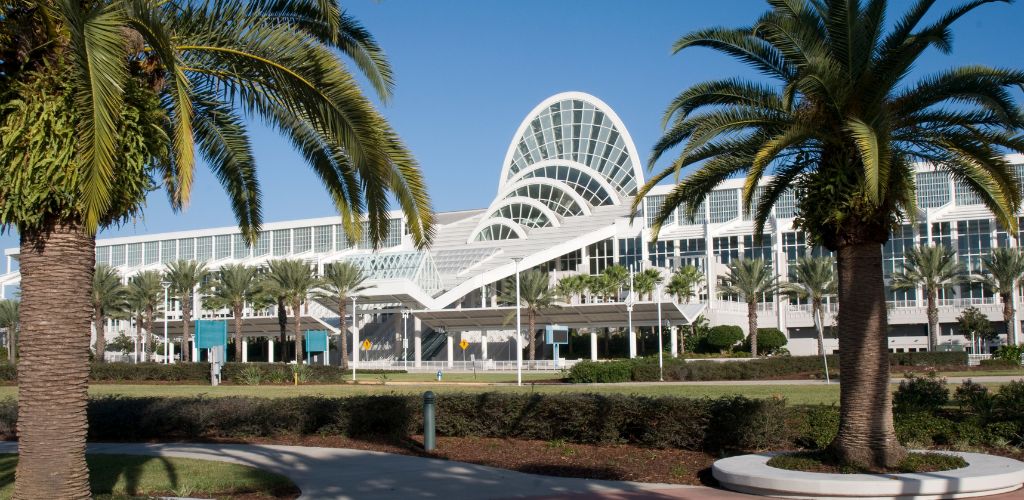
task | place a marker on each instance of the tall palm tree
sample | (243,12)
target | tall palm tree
(618,277)
(933,267)
(109,299)
(685,284)
(342,281)
(294,281)
(234,286)
(646,281)
(187,278)
(839,119)
(814,279)
(567,287)
(535,295)
(749,279)
(146,295)
(124,93)
(9,321)
(1004,268)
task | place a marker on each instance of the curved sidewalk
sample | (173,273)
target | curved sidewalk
(330,473)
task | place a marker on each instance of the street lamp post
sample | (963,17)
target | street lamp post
(519,329)
(661,364)
(405,338)
(355,339)
(166,285)
(629,316)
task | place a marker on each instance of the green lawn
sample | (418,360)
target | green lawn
(125,476)
(487,377)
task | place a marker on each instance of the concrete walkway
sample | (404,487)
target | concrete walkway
(336,473)
(892,380)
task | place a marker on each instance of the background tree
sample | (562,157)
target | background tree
(973,324)
(568,288)
(834,115)
(646,281)
(186,278)
(814,279)
(749,279)
(933,268)
(342,281)
(617,276)
(9,321)
(685,284)
(535,295)
(1004,268)
(100,102)
(234,286)
(294,281)
(109,299)
(146,294)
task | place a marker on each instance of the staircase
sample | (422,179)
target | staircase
(433,344)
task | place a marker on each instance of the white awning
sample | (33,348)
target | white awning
(574,316)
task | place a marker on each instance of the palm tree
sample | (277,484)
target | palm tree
(839,119)
(109,298)
(567,287)
(186,278)
(293,281)
(814,279)
(341,281)
(618,277)
(146,296)
(535,295)
(9,321)
(233,287)
(749,279)
(646,281)
(124,94)
(1004,268)
(934,268)
(685,284)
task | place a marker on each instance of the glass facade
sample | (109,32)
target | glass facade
(630,252)
(204,248)
(974,241)
(282,242)
(168,251)
(601,256)
(726,248)
(932,189)
(724,205)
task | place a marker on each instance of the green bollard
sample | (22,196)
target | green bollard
(428,421)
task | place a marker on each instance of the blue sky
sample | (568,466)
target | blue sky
(468,72)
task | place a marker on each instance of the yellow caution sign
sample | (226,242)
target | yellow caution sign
(366,345)
(464,344)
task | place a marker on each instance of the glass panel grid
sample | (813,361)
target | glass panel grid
(282,242)
(168,251)
(151,252)
(204,248)
(186,249)
(724,205)
(134,254)
(653,204)
(932,189)
(222,246)
(322,239)
(965,195)
(785,206)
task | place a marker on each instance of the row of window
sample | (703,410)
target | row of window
(279,242)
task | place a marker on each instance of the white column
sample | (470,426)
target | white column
(417,332)
(245,350)
(451,351)
(483,344)
(270,349)
(355,343)
(672,336)
(593,346)
(632,343)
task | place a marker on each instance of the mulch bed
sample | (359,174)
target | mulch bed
(551,458)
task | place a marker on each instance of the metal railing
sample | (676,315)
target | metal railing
(468,366)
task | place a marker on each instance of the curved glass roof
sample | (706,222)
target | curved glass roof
(495,232)
(557,199)
(580,181)
(523,214)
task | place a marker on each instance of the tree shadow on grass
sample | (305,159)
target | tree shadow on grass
(105,471)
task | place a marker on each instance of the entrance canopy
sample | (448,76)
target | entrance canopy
(574,316)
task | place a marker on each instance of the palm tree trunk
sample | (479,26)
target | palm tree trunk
(866,435)
(138,333)
(101,332)
(237,312)
(56,270)
(819,325)
(186,335)
(12,343)
(752,326)
(297,311)
(1008,311)
(343,337)
(531,316)
(282,323)
(150,312)
(933,320)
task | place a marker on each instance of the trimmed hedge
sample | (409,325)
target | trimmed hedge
(239,373)
(957,358)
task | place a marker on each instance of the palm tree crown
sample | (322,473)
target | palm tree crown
(685,283)
(1004,268)
(109,299)
(341,281)
(749,279)
(292,281)
(235,285)
(934,268)
(814,279)
(535,295)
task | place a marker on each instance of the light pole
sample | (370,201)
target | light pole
(661,365)
(405,338)
(167,286)
(629,316)
(519,329)
(355,339)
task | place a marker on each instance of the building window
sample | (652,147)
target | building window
(282,242)
(942,234)
(601,256)
(752,250)
(186,249)
(724,205)
(151,252)
(134,254)
(726,248)
(893,259)
(965,195)
(117,255)
(652,206)
(570,261)
(340,238)
(785,206)
(932,189)
(699,217)
(168,251)
(974,242)
(660,253)
(758,193)
(103,255)
(302,239)
(322,239)
(204,248)
(630,252)
(794,245)
(693,252)
(262,246)
(241,248)
(222,246)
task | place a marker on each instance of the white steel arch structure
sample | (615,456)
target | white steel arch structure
(570,154)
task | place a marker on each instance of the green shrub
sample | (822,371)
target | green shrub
(1010,353)
(739,423)
(817,426)
(920,394)
(923,429)
(241,373)
(724,337)
(999,364)
(250,375)
(590,372)
(974,399)
(933,359)
(769,341)
(1008,402)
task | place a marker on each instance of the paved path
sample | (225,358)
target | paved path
(336,473)
(893,380)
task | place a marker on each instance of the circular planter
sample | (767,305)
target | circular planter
(984,475)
